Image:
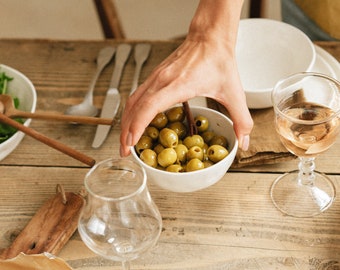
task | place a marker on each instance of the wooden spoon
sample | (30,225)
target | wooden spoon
(8,109)
(48,141)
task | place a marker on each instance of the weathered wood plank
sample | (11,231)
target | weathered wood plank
(231,225)
(227,225)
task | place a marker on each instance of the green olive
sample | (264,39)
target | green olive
(145,142)
(159,167)
(167,157)
(194,165)
(205,151)
(168,137)
(179,128)
(159,121)
(158,148)
(202,123)
(220,140)
(208,135)
(195,152)
(207,163)
(181,151)
(194,140)
(174,168)
(217,152)
(165,143)
(175,114)
(205,148)
(149,157)
(152,132)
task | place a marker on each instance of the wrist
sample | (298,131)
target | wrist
(216,20)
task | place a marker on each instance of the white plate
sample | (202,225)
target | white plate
(325,63)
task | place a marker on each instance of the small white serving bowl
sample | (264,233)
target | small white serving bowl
(197,180)
(267,51)
(22,88)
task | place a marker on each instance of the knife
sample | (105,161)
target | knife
(112,99)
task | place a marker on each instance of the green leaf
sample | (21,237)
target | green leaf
(4,79)
(7,131)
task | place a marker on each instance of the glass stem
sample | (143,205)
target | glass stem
(306,171)
(126,265)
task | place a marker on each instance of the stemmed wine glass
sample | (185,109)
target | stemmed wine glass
(307,110)
(120,221)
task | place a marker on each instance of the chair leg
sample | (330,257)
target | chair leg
(255,9)
(109,19)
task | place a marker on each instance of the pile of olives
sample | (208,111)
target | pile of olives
(167,145)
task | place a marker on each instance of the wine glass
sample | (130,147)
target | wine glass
(120,221)
(307,108)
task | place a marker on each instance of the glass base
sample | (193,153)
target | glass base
(295,199)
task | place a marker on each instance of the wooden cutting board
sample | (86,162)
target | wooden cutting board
(50,228)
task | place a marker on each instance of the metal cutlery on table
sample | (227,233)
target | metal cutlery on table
(86,107)
(112,99)
(141,53)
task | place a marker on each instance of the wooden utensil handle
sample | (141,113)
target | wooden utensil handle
(190,118)
(67,118)
(48,141)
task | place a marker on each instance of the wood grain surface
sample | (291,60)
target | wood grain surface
(231,225)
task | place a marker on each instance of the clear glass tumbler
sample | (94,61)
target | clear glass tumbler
(120,221)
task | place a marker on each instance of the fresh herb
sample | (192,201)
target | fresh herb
(7,131)
(4,79)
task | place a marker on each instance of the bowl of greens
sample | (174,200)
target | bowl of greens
(21,89)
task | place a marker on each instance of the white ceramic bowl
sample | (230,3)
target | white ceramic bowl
(267,51)
(22,88)
(196,180)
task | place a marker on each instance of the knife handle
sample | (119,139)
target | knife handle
(122,54)
(110,109)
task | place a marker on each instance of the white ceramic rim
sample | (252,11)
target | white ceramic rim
(310,66)
(34,101)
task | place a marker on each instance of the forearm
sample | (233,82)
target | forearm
(216,20)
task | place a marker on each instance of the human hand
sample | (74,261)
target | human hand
(199,67)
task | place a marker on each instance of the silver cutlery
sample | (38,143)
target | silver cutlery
(141,53)
(112,99)
(86,108)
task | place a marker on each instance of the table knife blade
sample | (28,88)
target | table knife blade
(112,98)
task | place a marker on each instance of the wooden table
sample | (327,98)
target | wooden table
(231,225)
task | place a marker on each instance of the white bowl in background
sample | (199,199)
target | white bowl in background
(197,180)
(22,88)
(267,51)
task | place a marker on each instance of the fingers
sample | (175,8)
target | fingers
(192,70)
(240,115)
(142,108)
(243,125)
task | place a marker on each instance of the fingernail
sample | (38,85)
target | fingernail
(129,139)
(244,143)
